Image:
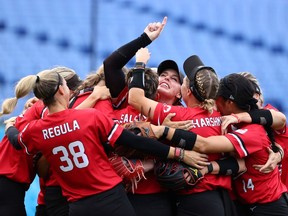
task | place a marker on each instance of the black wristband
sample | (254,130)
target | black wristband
(137,80)
(184,139)
(139,65)
(228,166)
(210,168)
(165,133)
(261,116)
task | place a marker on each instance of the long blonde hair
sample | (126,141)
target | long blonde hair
(27,84)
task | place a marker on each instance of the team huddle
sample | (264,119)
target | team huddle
(144,141)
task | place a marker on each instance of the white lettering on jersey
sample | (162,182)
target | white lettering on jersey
(60,129)
(241,131)
(125,118)
(206,122)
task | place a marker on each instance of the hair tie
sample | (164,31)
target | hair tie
(37,78)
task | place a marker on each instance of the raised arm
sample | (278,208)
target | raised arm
(113,64)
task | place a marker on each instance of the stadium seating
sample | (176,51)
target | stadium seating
(231,36)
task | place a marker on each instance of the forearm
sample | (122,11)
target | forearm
(273,118)
(226,166)
(151,146)
(279,120)
(12,135)
(89,102)
(114,76)
(144,144)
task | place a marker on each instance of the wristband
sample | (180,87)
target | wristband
(210,168)
(138,79)
(184,138)
(179,154)
(139,65)
(165,133)
(262,116)
(228,166)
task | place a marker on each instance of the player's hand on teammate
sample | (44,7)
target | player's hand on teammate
(271,164)
(9,122)
(227,120)
(184,125)
(101,92)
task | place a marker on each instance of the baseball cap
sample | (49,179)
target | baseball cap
(239,89)
(192,65)
(169,64)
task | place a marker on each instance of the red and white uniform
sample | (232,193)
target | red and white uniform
(149,185)
(281,137)
(104,106)
(15,164)
(122,100)
(73,147)
(250,142)
(204,124)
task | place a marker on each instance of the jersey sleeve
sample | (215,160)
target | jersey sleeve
(248,140)
(109,130)
(105,106)
(24,140)
(161,111)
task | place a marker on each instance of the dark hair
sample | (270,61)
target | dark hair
(238,89)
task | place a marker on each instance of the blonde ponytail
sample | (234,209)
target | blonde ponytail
(23,88)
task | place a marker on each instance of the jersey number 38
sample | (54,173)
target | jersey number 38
(76,151)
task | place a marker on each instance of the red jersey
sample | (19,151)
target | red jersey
(15,164)
(122,100)
(71,141)
(281,137)
(150,185)
(127,114)
(204,124)
(104,106)
(251,142)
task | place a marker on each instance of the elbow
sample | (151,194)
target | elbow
(280,123)
(283,120)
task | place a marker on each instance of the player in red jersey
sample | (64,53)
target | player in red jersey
(50,195)
(71,140)
(19,157)
(16,174)
(273,118)
(260,193)
(198,90)
(116,82)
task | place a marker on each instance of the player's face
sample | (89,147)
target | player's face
(169,85)
(226,107)
(222,106)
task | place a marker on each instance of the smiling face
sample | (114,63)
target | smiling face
(169,86)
